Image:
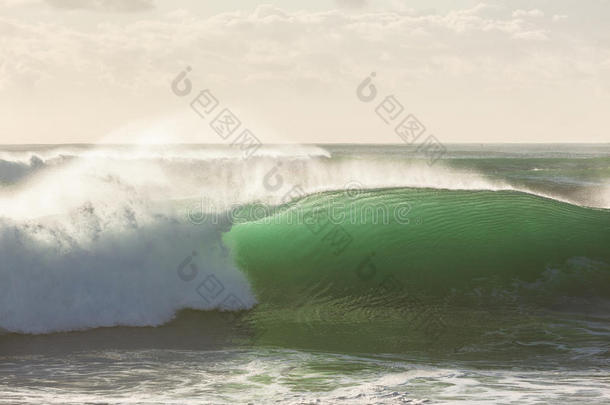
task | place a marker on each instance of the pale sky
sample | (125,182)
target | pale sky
(86,71)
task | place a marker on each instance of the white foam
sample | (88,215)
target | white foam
(83,250)
(98,271)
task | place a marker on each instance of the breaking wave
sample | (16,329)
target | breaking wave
(92,238)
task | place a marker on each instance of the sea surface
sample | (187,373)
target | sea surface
(305,274)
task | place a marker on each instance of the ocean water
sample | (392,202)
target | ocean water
(304,274)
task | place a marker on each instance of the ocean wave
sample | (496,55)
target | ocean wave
(92,242)
(137,265)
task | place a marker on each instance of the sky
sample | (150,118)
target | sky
(101,71)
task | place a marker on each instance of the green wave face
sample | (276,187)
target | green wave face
(385,261)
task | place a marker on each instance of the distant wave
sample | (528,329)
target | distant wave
(13,171)
(155,152)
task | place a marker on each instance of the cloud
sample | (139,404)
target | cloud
(296,48)
(532,35)
(17,3)
(127,6)
(352,3)
(528,13)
